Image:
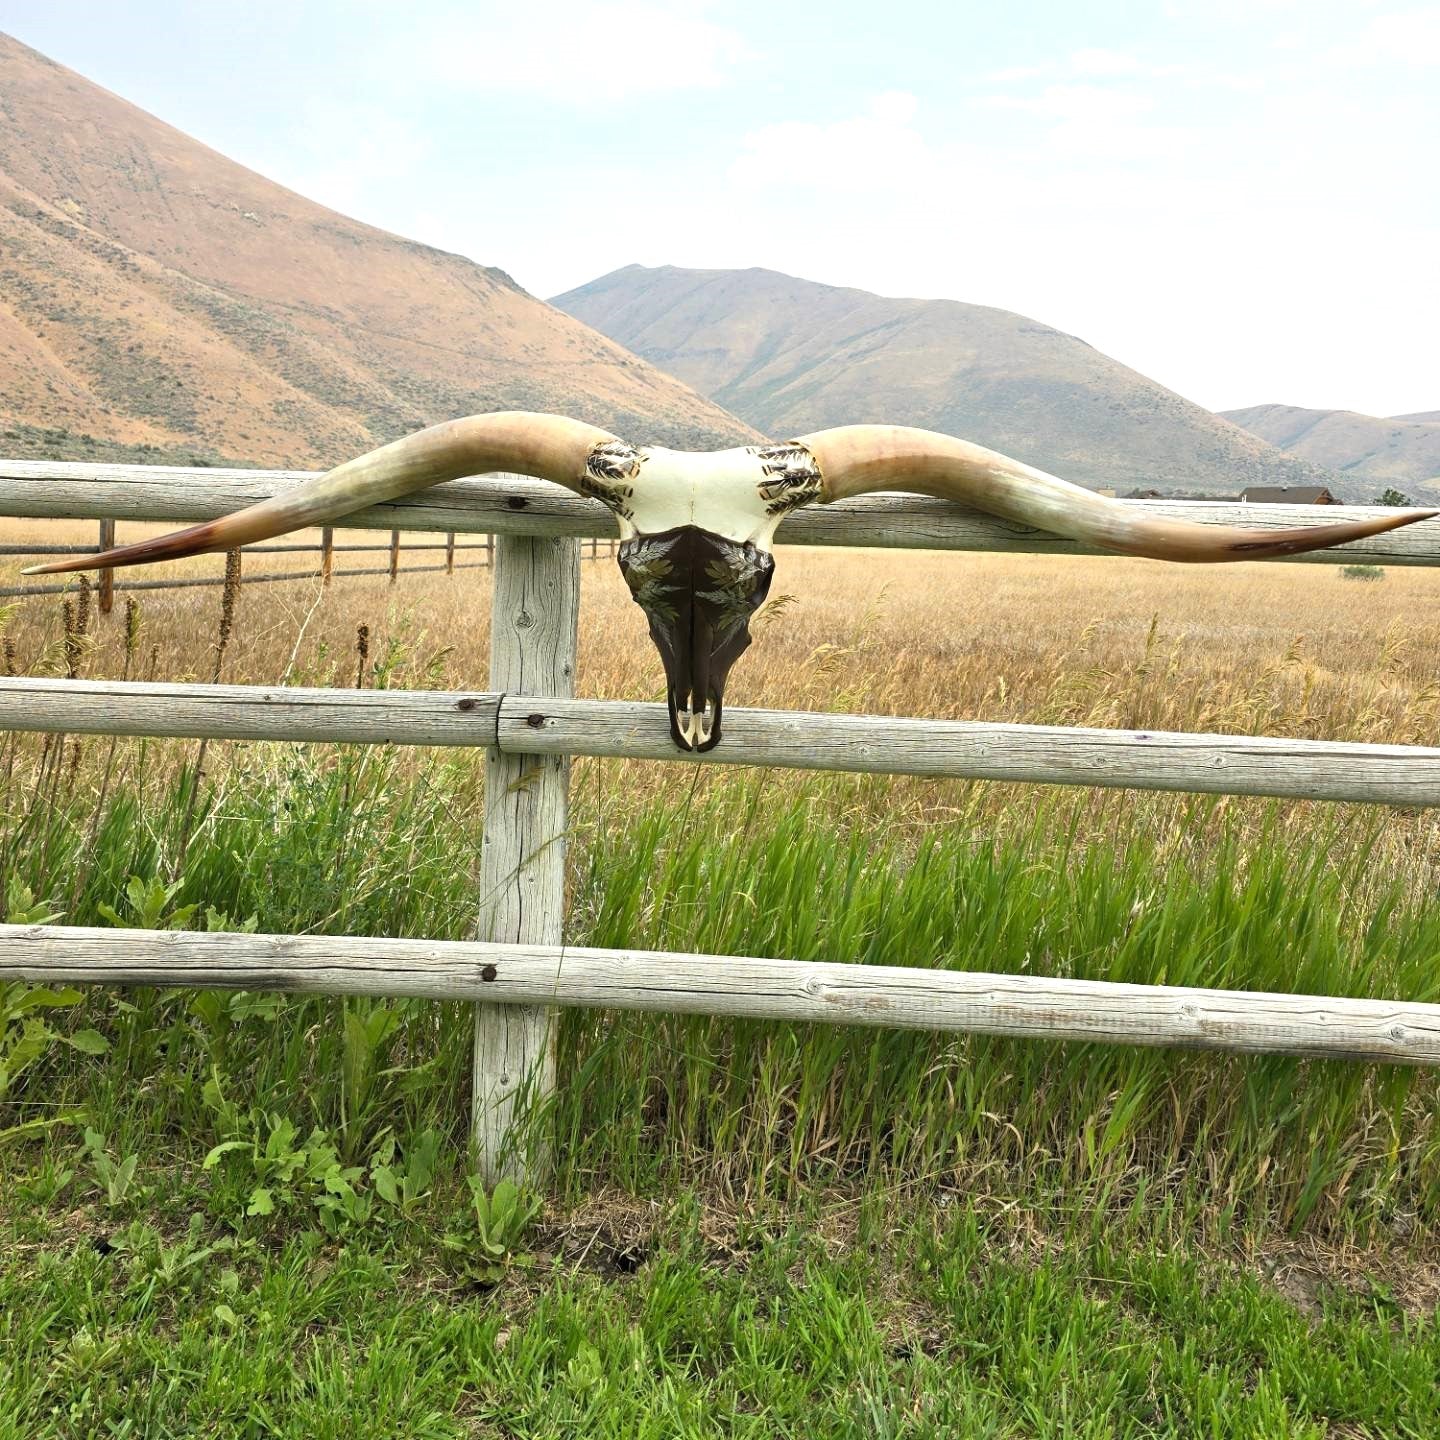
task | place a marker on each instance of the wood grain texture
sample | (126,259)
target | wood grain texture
(1052,755)
(522,863)
(894,997)
(248,712)
(514,505)
(539,725)
(281,577)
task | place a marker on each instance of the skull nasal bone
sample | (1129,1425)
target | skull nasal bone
(702,637)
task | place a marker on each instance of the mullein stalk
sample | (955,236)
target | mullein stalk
(9,663)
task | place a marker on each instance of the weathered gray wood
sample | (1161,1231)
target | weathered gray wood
(1045,754)
(534,622)
(20,592)
(247,712)
(508,504)
(1406,775)
(524,976)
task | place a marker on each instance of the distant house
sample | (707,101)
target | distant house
(1180,495)
(1288,495)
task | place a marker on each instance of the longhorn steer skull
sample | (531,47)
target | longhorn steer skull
(696,528)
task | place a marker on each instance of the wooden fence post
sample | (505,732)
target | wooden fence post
(107,577)
(449,552)
(394,555)
(327,554)
(522,861)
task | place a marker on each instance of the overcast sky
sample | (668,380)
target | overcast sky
(1237,197)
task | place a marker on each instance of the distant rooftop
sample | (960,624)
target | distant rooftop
(1180,495)
(1288,495)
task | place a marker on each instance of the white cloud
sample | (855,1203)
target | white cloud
(1020,72)
(589,55)
(1106,62)
(1074,102)
(1408,38)
(1089,64)
(342,152)
(879,149)
(1097,123)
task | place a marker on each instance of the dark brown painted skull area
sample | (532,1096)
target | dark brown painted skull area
(698,592)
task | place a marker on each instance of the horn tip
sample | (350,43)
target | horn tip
(1410,517)
(59,567)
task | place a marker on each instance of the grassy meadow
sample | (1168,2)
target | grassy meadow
(250,1215)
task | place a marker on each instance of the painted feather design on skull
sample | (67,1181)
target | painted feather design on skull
(611,471)
(792,478)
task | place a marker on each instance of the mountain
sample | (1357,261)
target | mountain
(1400,451)
(160,301)
(792,356)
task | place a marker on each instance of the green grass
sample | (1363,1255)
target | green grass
(1042,1239)
(303,840)
(937,1328)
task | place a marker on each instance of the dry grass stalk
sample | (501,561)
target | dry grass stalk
(1289,650)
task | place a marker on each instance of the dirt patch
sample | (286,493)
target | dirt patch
(1306,1269)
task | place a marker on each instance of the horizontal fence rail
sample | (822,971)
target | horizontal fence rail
(1407,775)
(18,551)
(248,712)
(1024,1006)
(190,582)
(514,505)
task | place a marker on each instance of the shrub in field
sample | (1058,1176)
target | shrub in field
(1362,572)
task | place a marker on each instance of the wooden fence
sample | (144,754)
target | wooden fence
(519,968)
(327,549)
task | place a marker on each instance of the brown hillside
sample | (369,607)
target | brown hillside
(154,293)
(1398,451)
(791,356)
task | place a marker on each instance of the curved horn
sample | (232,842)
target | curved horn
(549,447)
(858,459)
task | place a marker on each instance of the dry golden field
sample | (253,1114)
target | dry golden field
(1278,649)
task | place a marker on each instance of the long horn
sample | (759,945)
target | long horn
(858,459)
(549,447)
